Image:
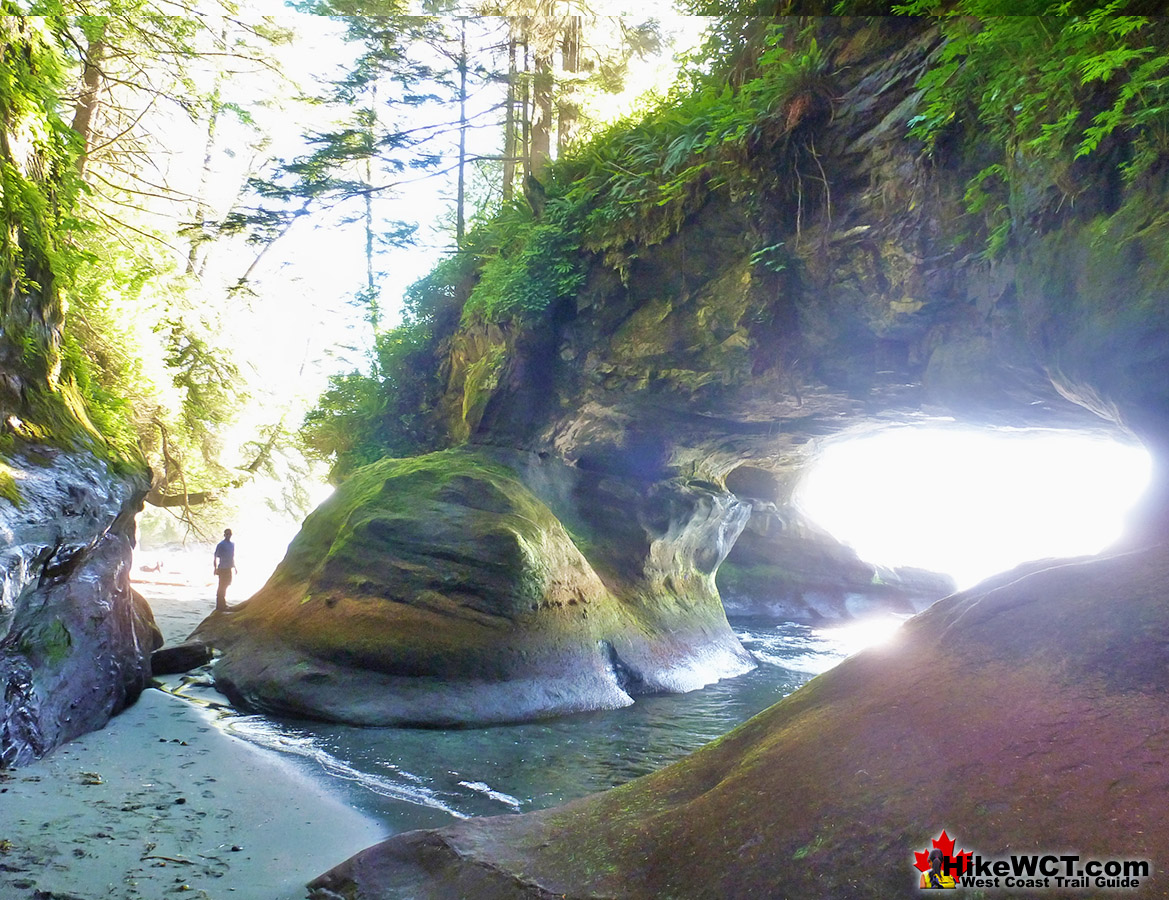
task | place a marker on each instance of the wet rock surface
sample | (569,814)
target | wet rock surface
(77,652)
(68,501)
(75,639)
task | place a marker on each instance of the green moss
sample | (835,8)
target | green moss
(757,577)
(399,486)
(808,849)
(480,382)
(49,641)
(8,487)
(60,418)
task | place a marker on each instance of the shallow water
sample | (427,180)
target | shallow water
(516,768)
(416,778)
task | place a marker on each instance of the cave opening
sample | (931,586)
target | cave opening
(973,502)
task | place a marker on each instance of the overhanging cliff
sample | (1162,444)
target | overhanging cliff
(837,284)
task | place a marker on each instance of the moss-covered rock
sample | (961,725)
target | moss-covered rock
(1024,716)
(441,590)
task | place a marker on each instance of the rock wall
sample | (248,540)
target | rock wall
(75,639)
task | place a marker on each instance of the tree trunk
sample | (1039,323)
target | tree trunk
(568,110)
(510,148)
(373,313)
(542,86)
(460,202)
(202,207)
(526,119)
(88,101)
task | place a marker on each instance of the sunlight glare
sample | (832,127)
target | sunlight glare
(854,637)
(972,503)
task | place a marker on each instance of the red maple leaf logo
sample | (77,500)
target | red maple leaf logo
(945,843)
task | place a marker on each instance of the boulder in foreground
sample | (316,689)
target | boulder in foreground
(1028,715)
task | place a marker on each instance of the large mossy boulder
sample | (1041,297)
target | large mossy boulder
(440,590)
(1026,716)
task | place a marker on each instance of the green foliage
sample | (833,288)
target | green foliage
(1047,89)
(42,255)
(109,411)
(637,181)
(526,265)
(630,186)
(363,417)
(9,490)
(37,182)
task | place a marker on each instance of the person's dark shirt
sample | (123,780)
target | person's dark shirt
(224,554)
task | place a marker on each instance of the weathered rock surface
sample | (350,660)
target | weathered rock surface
(786,569)
(67,502)
(75,639)
(440,590)
(1023,716)
(179,658)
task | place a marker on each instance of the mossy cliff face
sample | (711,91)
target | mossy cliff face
(441,590)
(75,640)
(768,324)
(1024,716)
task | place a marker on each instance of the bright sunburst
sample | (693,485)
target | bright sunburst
(972,503)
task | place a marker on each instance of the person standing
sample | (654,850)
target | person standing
(224,565)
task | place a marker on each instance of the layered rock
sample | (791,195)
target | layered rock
(75,639)
(441,590)
(1023,716)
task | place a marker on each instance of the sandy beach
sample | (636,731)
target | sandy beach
(163,803)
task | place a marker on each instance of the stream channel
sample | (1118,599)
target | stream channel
(422,778)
